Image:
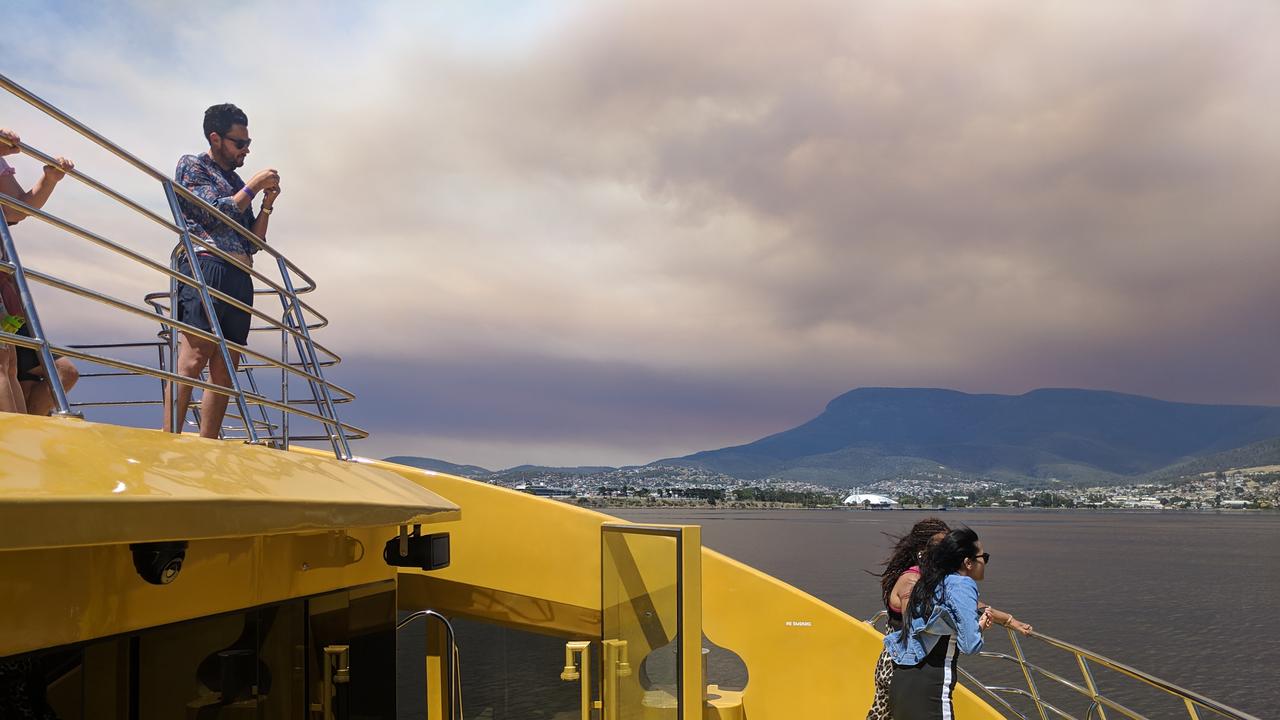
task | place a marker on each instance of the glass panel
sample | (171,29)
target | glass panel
(200,669)
(640,660)
(361,620)
(507,674)
(282,685)
(373,652)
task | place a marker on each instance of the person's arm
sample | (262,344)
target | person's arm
(1001,617)
(261,222)
(193,175)
(9,186)
(262,181)
(39,193)
(962,602)
(901,591)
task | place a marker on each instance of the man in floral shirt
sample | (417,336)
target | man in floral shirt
(211,176)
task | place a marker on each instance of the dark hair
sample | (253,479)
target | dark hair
(940,560)
(220,118)
(906,552)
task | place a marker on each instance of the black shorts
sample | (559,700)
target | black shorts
(223,276)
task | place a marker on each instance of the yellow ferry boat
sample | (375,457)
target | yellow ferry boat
(148,575)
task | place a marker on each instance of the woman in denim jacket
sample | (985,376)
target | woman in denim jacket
(941,619)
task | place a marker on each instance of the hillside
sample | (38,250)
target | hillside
(1072,435)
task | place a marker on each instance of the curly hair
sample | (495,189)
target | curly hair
(906,552)
(942,559)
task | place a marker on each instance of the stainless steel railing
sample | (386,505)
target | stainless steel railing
(262,419)
(1087,689)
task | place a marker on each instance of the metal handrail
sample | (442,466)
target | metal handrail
(83,130)
(1191,700)
(171,227)
(296,323)
(454,673)
(138,258)
(104,299)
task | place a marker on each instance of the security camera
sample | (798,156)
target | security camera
(159,562)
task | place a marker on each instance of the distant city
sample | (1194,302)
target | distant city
(1238,489)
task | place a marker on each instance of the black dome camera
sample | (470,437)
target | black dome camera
(159,562)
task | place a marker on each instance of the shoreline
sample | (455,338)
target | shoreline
(597,503)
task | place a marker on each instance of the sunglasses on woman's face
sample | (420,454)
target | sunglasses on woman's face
(984,557)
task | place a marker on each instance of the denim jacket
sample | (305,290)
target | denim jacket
(955,612)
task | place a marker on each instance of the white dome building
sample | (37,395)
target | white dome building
(875,501)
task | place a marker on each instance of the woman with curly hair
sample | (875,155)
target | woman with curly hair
(899,578)
(941,618)
(900,573)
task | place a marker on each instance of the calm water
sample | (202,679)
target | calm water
(1190,598)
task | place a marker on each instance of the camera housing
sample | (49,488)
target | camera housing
(159,563)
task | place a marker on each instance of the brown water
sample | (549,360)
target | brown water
(1187,597)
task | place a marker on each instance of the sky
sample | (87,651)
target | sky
(610,232)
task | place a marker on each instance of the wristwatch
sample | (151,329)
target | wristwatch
(266,211)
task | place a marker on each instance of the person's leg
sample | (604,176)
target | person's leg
(193,355)
(11,399)
(234,324)
(880,700)
(40,396)
(213,406)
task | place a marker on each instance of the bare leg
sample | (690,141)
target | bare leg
(193,355)
(213,406)
(11,399)
(40,396)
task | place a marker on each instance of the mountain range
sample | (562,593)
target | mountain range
(1071,435)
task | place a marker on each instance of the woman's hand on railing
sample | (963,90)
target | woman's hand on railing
(59,171)
(1016,624)
(9,144)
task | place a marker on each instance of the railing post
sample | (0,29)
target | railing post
(1026,673)
(262,409)
(171,388)
(216,327)
(284,383)
(324,411)
(307,351)
(1090,684)
(33,320)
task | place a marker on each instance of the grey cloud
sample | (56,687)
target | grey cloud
(528,398)
(645,208)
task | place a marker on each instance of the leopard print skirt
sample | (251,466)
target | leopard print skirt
(880,703)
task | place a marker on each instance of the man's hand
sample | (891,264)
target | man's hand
(11,140)
(59,171)
(268,178)
(269,196)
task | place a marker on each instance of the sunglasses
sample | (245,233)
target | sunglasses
(984,557)
(239,143)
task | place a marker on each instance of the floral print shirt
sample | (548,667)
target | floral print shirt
(202,176)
